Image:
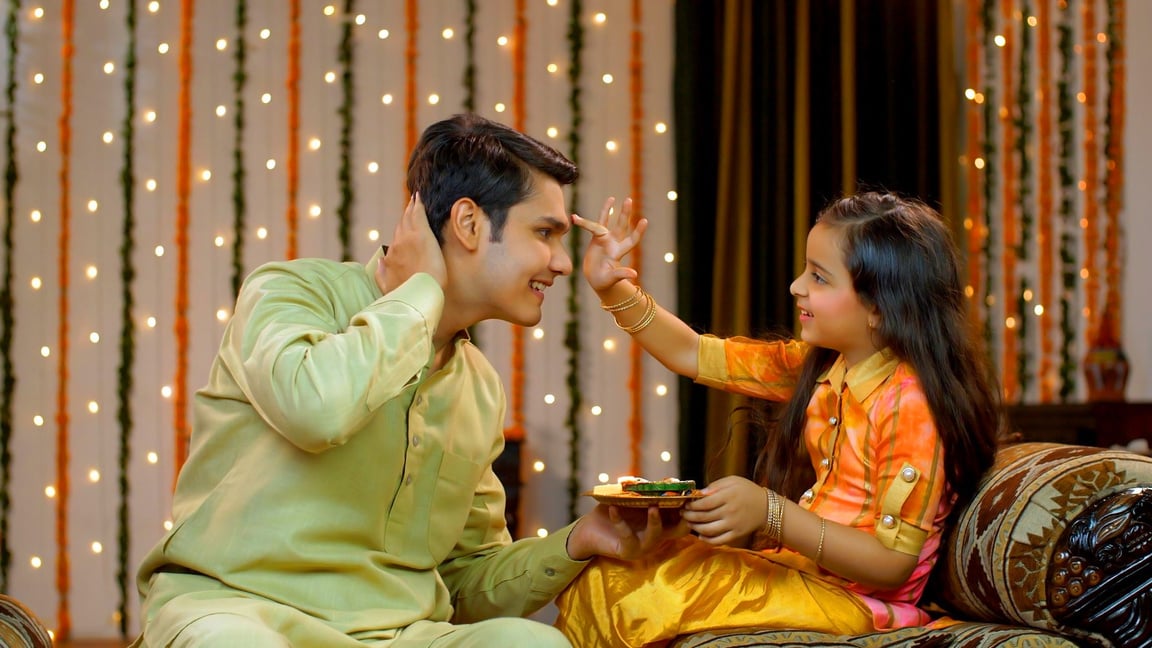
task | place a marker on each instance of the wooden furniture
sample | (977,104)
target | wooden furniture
(1101,424)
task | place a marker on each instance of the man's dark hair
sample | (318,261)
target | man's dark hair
(468,156)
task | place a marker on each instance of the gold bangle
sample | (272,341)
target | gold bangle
(820,544)
(627,303)
(773,530)
(645,319)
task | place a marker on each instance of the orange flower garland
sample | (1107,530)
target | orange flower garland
(411,51)
(63,571)
(293,123)
(519,42)
(1045,203)
(971,223)
(1091,173)
(1008,256)
(636,355)
(183,189)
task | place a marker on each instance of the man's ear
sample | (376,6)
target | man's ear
(467,224)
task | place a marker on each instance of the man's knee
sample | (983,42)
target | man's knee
(228,630)
(511,631)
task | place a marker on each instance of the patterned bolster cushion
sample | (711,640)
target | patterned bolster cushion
(996,563)
(19,627)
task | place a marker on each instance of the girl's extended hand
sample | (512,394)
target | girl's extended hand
(612,238)
(732,509)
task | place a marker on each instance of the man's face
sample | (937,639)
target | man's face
(520,267)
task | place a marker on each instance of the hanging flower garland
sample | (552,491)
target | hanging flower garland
(988,24)
(1044,211)
(636,356)
(1024,204)
(1114,164)
(1068,269)
(470,56)
(293,83)
(239,198)
(519,118)
(183,189)
(411,53)
(127,322)
(975,230)
(576,251)
(11,178)
(63,571)
(1009,231)
(1091,171)
(348,89)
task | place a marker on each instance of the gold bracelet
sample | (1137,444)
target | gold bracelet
(773,520)
(820,544)
(645,319)
(627,303)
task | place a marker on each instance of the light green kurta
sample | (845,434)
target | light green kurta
(330,470)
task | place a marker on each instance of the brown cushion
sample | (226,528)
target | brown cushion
(960,635)
(995,564)
(20,627)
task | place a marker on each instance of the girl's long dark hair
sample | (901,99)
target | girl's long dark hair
(903,262)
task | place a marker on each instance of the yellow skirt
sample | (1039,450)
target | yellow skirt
(689,585)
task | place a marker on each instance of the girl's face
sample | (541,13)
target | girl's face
(831,313)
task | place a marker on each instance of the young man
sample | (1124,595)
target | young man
(339,489)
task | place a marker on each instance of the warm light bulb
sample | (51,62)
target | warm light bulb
(603,478)
(93,475)
(152,457)
(262,233)
(150,184)
(93,206)
(502,41)
(314,143)
(45,352)
(91,272)
(611,146)
(609,344)
(166,391)
(447,33)
(314,211)
(35,215)
(50,491)
(162,48)
(41,146)
(149,116)
(553,131)
(221,110)
(222,314)
(329,77)
(93,407)
(109,67)
(94,337)
(265,33)
(538,466)
(542,533)
(607,79)
(270,164)
(218,241)
(433,99)
(158,250)
(373,235)
(500,107)
(538,333)
(596,410)
(672,195)
(97,547)
(600,18)
(38,421)
(151,321)
(386,99)
(373,167)
(661,127)
(553,68)
(266,98)
(36,283)
(549,399)
(205,175)
(661,390)
(669,257)
(382,34)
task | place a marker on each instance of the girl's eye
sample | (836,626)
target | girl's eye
(816,276)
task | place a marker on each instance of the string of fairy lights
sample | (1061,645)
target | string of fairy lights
(186,179)
(1046,273)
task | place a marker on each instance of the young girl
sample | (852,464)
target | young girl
(891,419)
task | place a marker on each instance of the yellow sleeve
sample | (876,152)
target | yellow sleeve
(759,368)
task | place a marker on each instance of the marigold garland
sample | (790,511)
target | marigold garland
(293,162)
(183,189)
(975,230)
(1114,165)
(63,571)
(1091,171)
(411,53)
(575,37)
(519,118)
(1045,202)
(127,322)
(636,355)
(348,90)
(239,197)
(7,303)
(1008,230)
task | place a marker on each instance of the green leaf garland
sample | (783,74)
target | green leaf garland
(1068,269)
(239,198)
(575,242)
(127,323)
(344,210)
(11,178)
